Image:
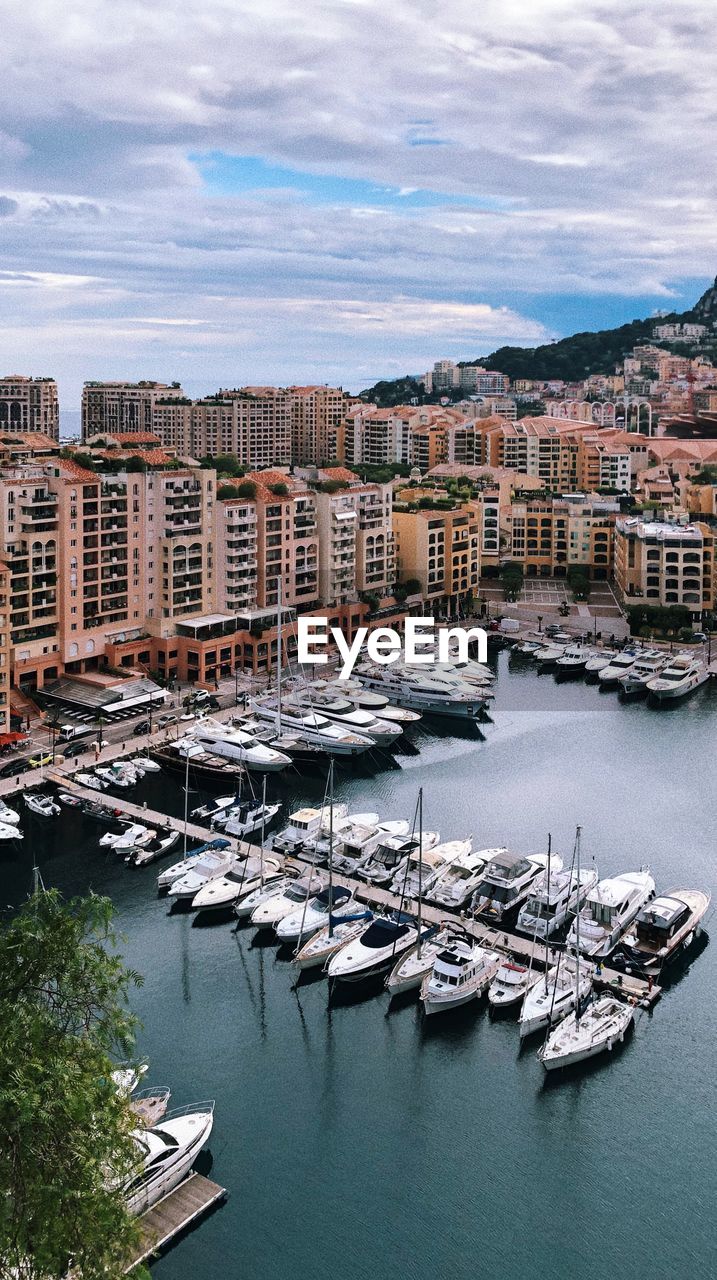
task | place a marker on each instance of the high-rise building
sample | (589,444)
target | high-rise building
(29,404)
(123,407)
(665,563)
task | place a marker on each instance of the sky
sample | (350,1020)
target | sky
(259,191)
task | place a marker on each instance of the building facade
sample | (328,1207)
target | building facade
(29,405)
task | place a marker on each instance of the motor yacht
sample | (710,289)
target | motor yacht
(377,703)
(663,930)
(317,847)
(247,817)
(507,881)
(91,781)
(243,877)
(333,739)
(324,944)
(552,902)
(600,659)
(288,900)
(460,878)
(609,676)
(526,648)
(572,660)
(583,1035)
(178,869)
(164,840)
(41,805)
(234,743)
(422,871)
(302,825)
(511,983)
(342,712)
(126,1079)
(357,844)
(411,968)
(683,675)
(461,972)
(10,832)
(609,908)
(553,996)
(208,866)
(166,1153)
(298,926)
(375,950)
(133,834)
(635,681)
(214,808)
(454,700)
(390,856)
(8,815)
(549,654)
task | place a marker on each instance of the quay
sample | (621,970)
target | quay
(174,1213)
(645,992)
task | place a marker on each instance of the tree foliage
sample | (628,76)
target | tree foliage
(65,1133)
(512,577)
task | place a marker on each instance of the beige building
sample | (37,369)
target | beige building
(550,535)
(29,404)
(665,563)
(441,550)
(124,407)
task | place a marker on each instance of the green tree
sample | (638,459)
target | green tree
(66,1145)
(511,575)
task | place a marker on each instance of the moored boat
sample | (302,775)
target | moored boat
(664,929)
(461,972)
(585,1033)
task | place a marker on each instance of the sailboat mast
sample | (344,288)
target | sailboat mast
(186,803)
(331,843)
(577,929)
(420,864)
(279,640)
(547,937)
(263,816)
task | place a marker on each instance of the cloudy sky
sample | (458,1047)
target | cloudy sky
(269,191)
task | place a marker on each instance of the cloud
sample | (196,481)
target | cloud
(378,167)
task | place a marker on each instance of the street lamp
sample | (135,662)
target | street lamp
(540,623)
(236,686)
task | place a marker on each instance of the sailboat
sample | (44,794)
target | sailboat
(594,1026)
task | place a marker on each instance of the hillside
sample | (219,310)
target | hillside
(570,359)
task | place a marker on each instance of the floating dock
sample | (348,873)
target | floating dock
(174,1213)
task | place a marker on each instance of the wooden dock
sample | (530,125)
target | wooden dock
(174,1213)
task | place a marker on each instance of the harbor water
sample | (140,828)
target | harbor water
(358,1140)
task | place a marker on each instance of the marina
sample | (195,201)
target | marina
(225,1013)
(175,1213)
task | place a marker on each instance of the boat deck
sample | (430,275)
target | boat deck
(174,1213)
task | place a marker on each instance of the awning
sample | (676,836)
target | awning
(7,738)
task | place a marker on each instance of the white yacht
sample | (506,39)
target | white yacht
(584,1034)
(663,930)
(554,995)
(511,983)
(113,779)
(375,949)
(526,648)
(609,908)
(342,712)
(359,842)
(8,815)
(390,856)
(549,654)
(460,878)
(42,805)
(91,781)
(302,825)
(313,728)
(573,659)
(178,869)
(208,866)
(411,968)
(609,676)
(422,871)
(683,675)
(298,926)
(242,878)
(214,808)
(293,897)
(244,819)
(506,882)
(600,659)
(10,832)
(166,1153)
(552,902)
(649,664)
(132,836)
(377,703)
(165,839)
(461,972)
(317,848)
(272,883)
(324,944)
(455,700)
(234,743)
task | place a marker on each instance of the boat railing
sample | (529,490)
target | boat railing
(191,1108)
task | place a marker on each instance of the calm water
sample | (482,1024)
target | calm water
(358,1142)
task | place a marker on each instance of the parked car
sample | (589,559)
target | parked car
(169,717)
(143,727)
(41,759)
(11,767)
(699,637)
(75,749)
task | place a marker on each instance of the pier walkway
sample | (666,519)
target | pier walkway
(174,1213)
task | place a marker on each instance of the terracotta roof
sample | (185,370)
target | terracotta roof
(339,473)
(129,437)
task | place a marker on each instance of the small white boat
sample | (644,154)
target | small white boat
(461,972)
(375,949)
(243,877)
(301,924)
(460,878)
(166,1153)
(609,908)
(554,995)
(113,778)
(552,902)
(324,944)
(69,800)
(268,913)
(316,848)
(683,675)
(359,842)
(126,1079)
(610,675)
(411,968)
(511,983)
(600,658)
(147,764)
(635,681)
(303,824)
(178,869)
(10,832)
(391,856)
(90,780)
(549,654)
(132,834)
(246,818)
(8,815)
(422,871)
(573,659)
(583,1035)
(164,840)
(273,883)
(41,805)
(214,808)
(208,866)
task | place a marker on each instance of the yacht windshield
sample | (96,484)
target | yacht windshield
(297,893)
(383,933)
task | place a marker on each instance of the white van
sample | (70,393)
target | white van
(68,732)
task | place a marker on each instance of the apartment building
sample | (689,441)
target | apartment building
(356,539)
(548,536)
(441,549)
(125,407)
(471,378)
(5,647)
(317,424)
(29,405)
(666,563)
(378,437)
